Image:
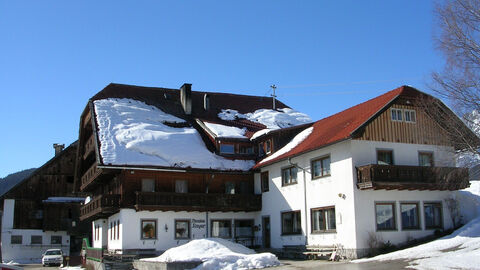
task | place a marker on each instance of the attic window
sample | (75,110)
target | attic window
(410,116)
(396,114)
(227,149)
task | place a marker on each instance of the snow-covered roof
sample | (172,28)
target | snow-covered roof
(226,131)
(134,133)
(64,199)
(271,119)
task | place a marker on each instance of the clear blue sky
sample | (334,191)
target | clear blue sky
(324,56)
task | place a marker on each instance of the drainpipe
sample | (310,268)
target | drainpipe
(304,197)
(206,211)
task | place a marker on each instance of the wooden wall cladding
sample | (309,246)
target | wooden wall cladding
(423,131)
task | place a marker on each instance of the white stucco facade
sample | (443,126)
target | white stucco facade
(23,250)
(129,236)
(355,214)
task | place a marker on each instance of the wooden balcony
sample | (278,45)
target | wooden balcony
(89,176)
(89,146)
(376,176)
(169,201)
(100,207)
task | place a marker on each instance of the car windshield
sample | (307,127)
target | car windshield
(53,252)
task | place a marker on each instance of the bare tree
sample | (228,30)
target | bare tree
(458,39)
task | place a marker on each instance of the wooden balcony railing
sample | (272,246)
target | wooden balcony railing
(197,201)
(376,176)
(100,206)
(89,176)
(89,146)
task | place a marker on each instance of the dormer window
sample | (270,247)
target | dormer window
(227,148)
(268,147)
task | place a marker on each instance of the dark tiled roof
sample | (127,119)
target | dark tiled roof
(342,125)
(168,100)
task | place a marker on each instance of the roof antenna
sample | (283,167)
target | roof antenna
(273,86)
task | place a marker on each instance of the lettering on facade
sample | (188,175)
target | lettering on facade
(198,223)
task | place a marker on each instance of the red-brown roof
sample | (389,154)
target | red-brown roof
(341,126)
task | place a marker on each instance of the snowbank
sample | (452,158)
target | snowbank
(272,119)
(300,137)
(460,250)
(217,253)
(134,133)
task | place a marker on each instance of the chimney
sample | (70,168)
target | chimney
(58,148)
(186,97)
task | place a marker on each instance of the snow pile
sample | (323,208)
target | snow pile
(460,250)
(217,253)
(300,137)
(226,131)
(272,119)
(134,133)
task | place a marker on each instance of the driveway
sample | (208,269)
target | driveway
(321,264)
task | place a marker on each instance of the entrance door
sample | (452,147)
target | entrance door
(266,232)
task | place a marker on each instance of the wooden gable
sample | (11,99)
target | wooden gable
(423,130)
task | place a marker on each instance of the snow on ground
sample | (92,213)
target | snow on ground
(460,250)
(217,253)
(300,137)
(134,133)
(226,131)
(272,119)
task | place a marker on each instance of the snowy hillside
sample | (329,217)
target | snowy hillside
(134,133)
(460,250)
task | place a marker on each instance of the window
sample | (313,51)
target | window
(244,228)
(227,149)
(410,218)
(149,229)
(221,228)
(36,239)
(264,181)
(385,216)
(385,157)
(118,229)
(56,240)
(291,223)
(289,176)
(425,159)
(433,215)
(268,146)
(229,188)
(148,185)
(181,186)
(323,219)
(396,114)
(320,167)
(261,151)
(182,229)
(410,116)
(16,239)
